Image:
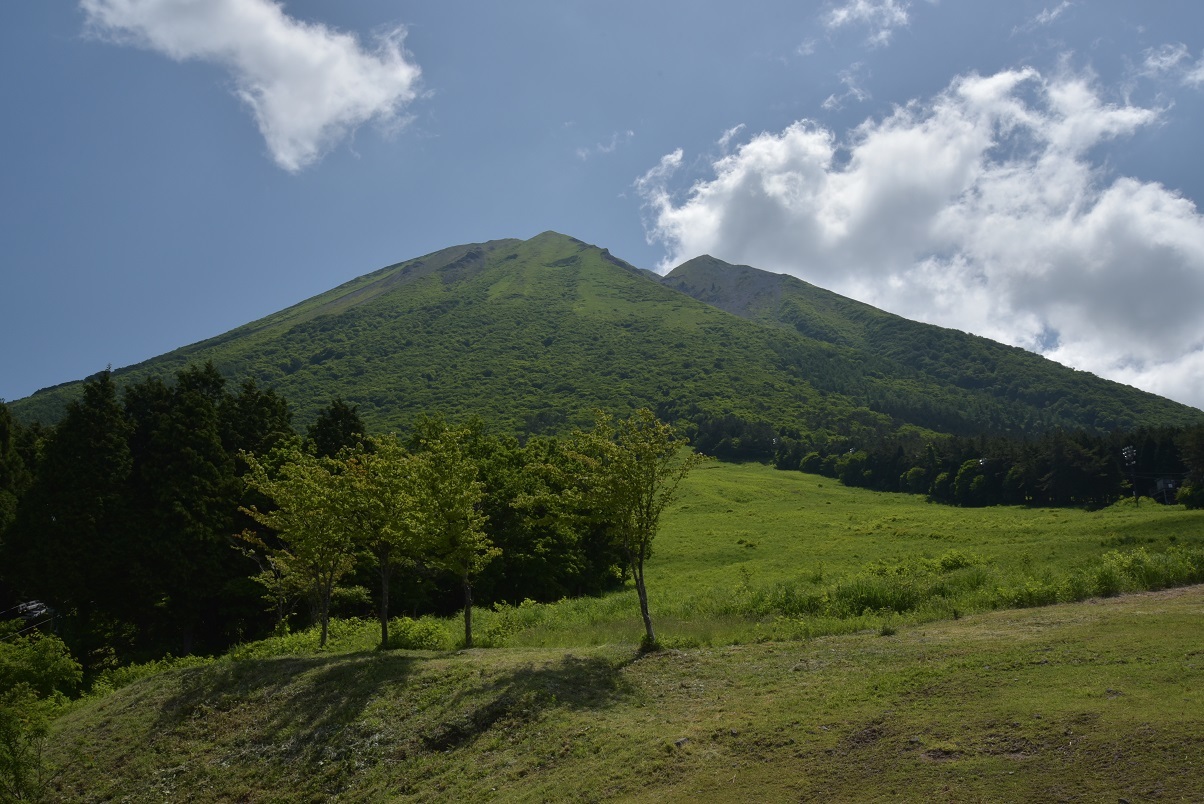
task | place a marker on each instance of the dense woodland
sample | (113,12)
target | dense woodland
(147,518)
(155,521)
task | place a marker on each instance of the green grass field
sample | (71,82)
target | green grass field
(751,553)
(823,643)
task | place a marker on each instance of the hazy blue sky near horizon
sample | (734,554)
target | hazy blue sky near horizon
(1028,171)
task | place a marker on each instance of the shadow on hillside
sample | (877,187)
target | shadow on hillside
(292,707)
(522,694)
(291,702)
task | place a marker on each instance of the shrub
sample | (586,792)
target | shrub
(117,677)
(423,634)
(24,731)
(1191,496)
(41,661)
(507,620)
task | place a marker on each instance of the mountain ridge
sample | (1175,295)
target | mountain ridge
(533,334)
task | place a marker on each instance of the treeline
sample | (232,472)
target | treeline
(143,519)
(1058,469)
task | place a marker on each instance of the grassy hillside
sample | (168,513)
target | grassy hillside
(929,375)
(532,335)
(1087,702)
(758,698)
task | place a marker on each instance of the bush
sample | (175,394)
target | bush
(505,621)
(1033,592)
(423,634)
(1191,496)
(40,661)
(24,731)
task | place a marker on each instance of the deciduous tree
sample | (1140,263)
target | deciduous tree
(454,525)
(318,543)
(632,471)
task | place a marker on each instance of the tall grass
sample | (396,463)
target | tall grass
(916,590)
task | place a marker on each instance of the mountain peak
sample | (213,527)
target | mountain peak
(535,334)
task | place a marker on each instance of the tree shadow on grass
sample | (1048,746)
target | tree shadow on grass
(303,709)
(335,686)
(322,726)
(522,695)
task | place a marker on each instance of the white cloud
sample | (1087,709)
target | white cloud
(609,147)
(882,17)
(980,209)
(307,86)
(726,140)
(851,78)
(1195,76)
(1164,59)
(1173,60)
(1047,17)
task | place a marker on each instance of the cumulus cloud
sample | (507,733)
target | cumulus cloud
(980,209)
(882,17)
(307,86)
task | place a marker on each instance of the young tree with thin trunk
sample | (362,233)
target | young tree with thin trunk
(309,520)
(380,498)
(630,473)
(454,525)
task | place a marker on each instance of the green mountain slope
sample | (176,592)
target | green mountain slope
(533,335)
(930,375)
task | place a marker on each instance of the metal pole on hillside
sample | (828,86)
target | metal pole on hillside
(1131,461)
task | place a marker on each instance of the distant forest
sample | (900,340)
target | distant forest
(124,516)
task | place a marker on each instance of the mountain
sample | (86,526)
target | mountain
(925,374)
(533,335)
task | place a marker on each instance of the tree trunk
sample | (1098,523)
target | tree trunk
(467,613)
(385,575)
(649,634)
(324,612)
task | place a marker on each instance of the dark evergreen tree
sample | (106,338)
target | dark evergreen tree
(254,420)
(70,544)
(15,477)
(185,494)
(338,425)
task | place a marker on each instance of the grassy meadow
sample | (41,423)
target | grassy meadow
(821,642)
(749,553)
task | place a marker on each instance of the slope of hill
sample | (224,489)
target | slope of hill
(533,335)
(1084,702)
(1008,387)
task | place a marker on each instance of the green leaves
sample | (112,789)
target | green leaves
(630,474)
(319,545)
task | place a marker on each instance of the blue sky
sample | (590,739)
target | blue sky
(1028,171)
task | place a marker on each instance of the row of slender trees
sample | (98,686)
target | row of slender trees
(159,518)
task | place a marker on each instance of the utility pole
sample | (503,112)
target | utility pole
(1130,454)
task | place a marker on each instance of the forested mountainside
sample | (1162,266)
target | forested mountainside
(533,335)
